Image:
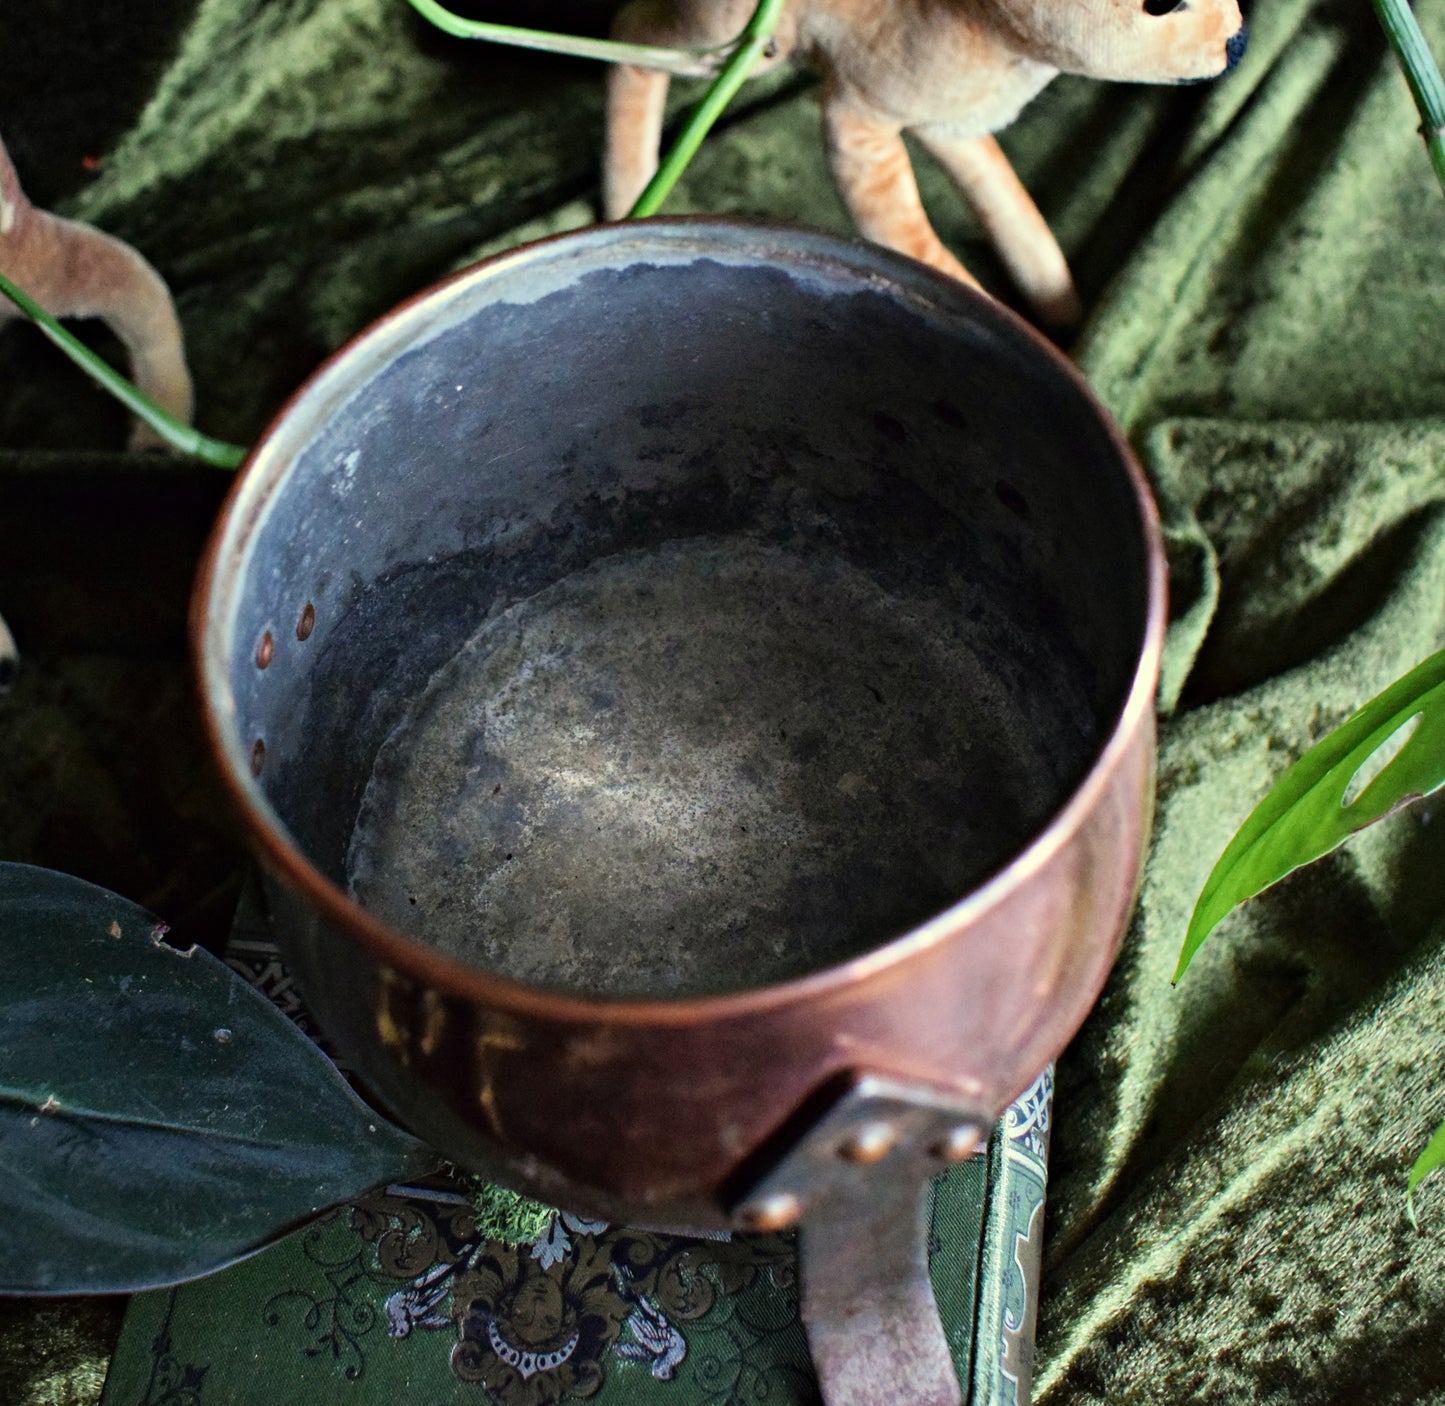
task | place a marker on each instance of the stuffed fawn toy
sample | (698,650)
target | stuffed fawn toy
(73,270)
(951,72)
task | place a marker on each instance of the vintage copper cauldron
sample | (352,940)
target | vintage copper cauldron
(691,684)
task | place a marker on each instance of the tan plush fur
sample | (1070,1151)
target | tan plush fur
(951,72)
(74,270)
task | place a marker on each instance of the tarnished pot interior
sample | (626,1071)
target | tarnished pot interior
(654,657)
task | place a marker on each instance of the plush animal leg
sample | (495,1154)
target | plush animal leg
(74,270)
(636,102)
(636,98)
(1012,221)
(875,178)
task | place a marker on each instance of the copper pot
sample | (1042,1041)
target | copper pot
(722,658)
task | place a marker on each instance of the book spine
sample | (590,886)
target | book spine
(1011,1252)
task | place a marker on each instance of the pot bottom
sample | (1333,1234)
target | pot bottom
(701,766)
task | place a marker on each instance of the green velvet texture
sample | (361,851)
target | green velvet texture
(1261,259)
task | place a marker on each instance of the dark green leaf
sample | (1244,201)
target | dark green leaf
(1433,1156)
(159,1118)
(1305,815)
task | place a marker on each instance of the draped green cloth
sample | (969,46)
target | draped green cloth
(1261,260)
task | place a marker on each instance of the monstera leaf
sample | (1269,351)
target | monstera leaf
(1389,753)
(159,1118)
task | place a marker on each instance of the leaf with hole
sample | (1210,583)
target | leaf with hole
(159,1118)
(1389,753)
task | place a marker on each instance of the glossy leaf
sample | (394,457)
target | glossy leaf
(1432,1157)
(159,1118)
(1305,815)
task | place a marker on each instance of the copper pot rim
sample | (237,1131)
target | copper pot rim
(268,835)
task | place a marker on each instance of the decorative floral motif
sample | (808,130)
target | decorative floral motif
(653,1340)
(416,1228)
(257,958)
(339,1314)
(1020,1319)
(1026,1123)
(171,1383)
(420,1305)
(750,1348)
(534,1335)
(554,1244)
(535,1324)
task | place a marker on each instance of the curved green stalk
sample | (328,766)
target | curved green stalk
(1422,73)
(180,436)
(741,58)
(751,45)
(694,62)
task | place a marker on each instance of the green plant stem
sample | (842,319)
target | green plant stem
(180,436)
(750,47)
(694,62)
(742,56)
(1422,73)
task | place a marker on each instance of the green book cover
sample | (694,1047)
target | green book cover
(398,1298)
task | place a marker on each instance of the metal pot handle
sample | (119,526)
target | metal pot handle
(858,1177)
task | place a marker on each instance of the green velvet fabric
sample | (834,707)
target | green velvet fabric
(1261,260)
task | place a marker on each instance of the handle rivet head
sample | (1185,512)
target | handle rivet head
(869,1144)
(959,1145)
(774,1212)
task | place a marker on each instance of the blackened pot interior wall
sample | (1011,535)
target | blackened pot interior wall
(657,402)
